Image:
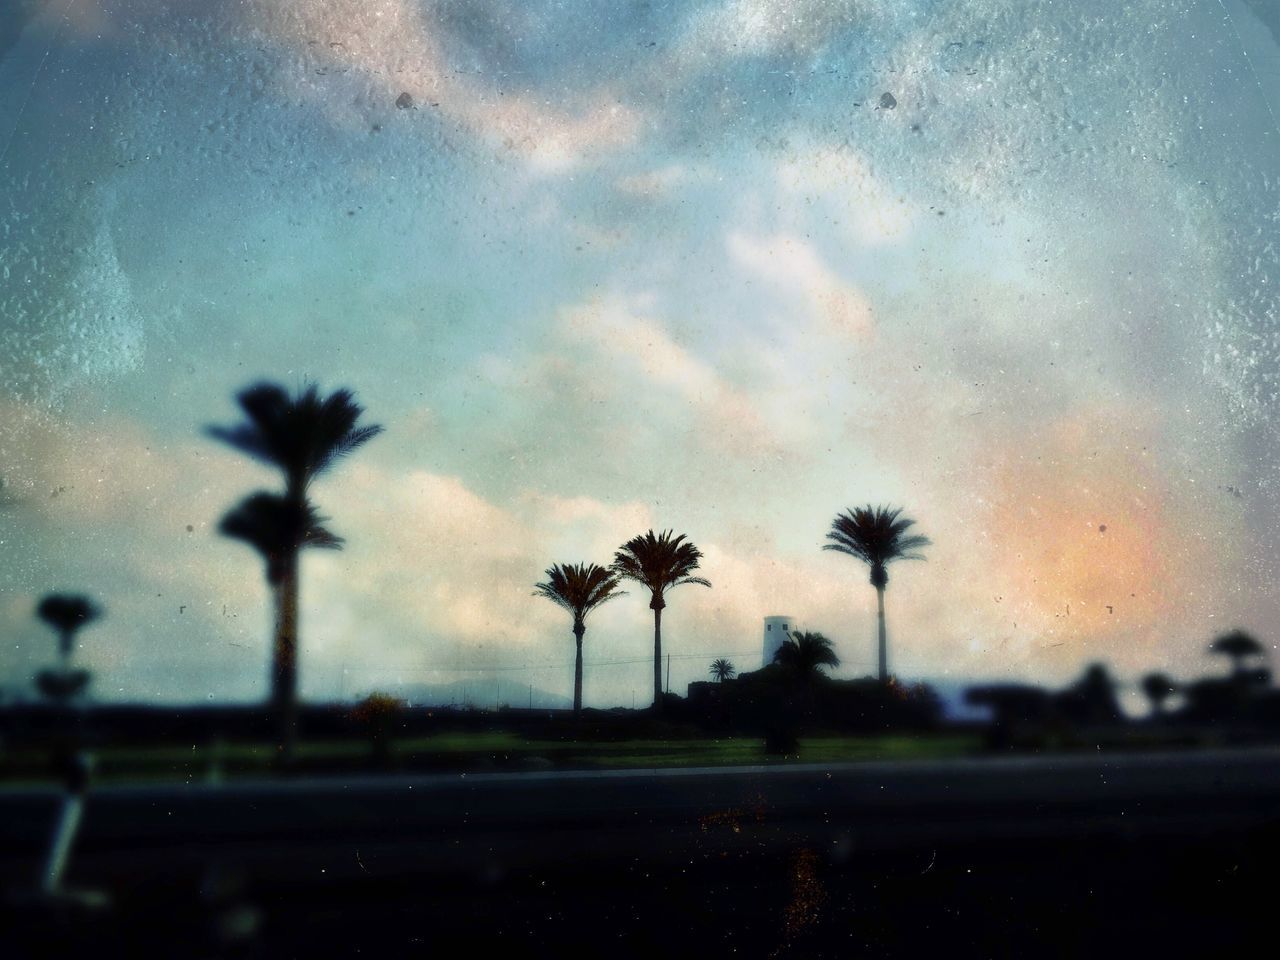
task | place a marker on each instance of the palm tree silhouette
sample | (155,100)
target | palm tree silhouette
(1239,646)
(658,562)
(578,588)
(806,653)
(1158,687)
(722,670)
(67,614)
(876,535)
(302,435)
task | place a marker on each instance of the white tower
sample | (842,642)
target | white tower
(775,632)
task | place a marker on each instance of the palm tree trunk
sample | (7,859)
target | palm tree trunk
(884,644)
(657,659)
(284,665)
(577,671)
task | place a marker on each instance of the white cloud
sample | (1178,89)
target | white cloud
(796,266)
(628,344)
(392,45)
(842,180)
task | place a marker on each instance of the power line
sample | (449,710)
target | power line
(600,663)
(585,663)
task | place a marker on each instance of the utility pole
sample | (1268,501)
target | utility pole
(497,695)
(668,673)
(531,696)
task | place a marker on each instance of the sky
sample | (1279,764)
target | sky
(722,266)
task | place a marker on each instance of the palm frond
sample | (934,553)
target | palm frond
(277,527)
(302,435)
(876,535)
(579,588)
(659,561)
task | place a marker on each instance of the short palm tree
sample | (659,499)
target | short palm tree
(67,614)
(302,435)
(876,535)
(806,654)
(658,562)
(722,670)
(1239,646)
(1158,687)
(578,588)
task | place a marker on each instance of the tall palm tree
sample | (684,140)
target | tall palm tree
(876,535)
(578,588)
(302,435)
(658,562)
(806,654)
(722,670)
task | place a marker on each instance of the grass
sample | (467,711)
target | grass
(478,751)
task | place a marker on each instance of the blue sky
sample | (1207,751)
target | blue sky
(622,265)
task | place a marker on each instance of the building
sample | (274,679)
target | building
(776,630)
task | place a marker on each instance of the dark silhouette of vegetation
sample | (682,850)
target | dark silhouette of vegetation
(301,435)
(378,714)
(1239,646)
(805,654)
(578,588)
(67,614)
(277,527)
(658,562)
(1091,700)
(1158,688)
(722,670)
(877,535)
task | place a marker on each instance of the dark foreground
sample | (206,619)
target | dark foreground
(1172,853)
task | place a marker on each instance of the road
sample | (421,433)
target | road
(732,837)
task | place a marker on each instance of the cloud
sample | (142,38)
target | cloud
(842,180)
(741,28)
(631,350)
(392,45)
(796,267)
(430,561)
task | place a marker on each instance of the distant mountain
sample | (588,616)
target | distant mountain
(483,693)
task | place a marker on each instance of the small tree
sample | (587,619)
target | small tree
(806,654)
(377,714)
(1239,646)
(722,670)
(67,614)
(1158,688)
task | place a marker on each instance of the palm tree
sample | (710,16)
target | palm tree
(806,653)
(1239,646)
(658,562)
(1158,687)
(302,436)
(877,536)
(578,588)
(67,614)
(722,670)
